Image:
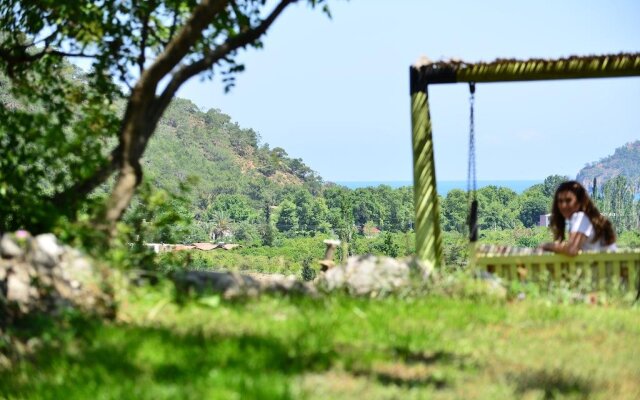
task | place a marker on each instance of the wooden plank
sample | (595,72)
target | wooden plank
(602,275)
(608,267)
(593,273)
(513,271)
(552,270)
(615,275)
(506,271)
(573,273)
(634,275)
(564,271)
(624,276)
(534,273)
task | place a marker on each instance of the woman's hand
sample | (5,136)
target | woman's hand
(570,247)
(549,246)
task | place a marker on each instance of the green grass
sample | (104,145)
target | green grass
(335,347)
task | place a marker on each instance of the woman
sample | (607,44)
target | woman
(588,229)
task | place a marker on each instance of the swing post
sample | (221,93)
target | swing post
(425,195)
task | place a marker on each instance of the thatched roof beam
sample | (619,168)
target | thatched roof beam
(505,70)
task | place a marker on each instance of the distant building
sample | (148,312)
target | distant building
(370,231)
(545,219)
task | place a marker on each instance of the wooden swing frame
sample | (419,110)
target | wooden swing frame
(427,223)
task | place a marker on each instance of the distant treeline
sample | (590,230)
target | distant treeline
(298,211)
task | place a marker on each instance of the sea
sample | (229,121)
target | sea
(445,186)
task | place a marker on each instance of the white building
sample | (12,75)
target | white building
(545,219)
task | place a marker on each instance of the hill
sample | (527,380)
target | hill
(225,158)
(625,161)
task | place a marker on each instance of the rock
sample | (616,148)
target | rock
(229,284)
(9,248)
(47,278)
(371,275)
(45,250)
(18,289)
(235,285)
(278,283)
(490,285)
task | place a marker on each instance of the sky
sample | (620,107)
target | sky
(335,92)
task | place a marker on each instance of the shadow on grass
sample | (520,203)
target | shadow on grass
(440,357)
(414,369)
(123,361)
(554,384)
(424,357)
(437,382)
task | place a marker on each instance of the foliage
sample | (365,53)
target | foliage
(455,248)
(454,211)
(388,246)
(629,239)
(551,183)
(308,273)
(625,161)
(54,133)
(287,220)
(150,48)
(156,216)
(247,234)
(533,203)
(497,208)
(617,200)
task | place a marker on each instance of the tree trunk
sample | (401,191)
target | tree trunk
(145,109)
(127,181)
(134,135)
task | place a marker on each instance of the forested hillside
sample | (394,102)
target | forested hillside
(625,161)
(224,158)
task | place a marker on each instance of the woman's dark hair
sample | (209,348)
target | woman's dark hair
(604,229)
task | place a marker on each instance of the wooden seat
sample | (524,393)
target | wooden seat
(618,269)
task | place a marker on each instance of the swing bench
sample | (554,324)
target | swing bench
(602,270)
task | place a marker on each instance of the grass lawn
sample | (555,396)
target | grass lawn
(336,347)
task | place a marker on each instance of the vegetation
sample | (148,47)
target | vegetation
(625,161)
(150,48)
(449,344)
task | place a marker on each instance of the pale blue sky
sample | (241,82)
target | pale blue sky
(335,92)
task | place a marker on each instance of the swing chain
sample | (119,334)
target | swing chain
(471,167)
(471,171)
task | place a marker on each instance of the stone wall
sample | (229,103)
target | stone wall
(38,274)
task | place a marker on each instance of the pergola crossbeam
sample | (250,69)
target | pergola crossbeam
(506,70)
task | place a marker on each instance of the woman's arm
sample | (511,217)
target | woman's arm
(569,247)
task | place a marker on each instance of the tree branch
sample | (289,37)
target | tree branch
(180,45)
(220,52)
(80,190)
(144,34)
(174,24)
(12,58)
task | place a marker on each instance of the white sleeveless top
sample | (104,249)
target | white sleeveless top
(579,222)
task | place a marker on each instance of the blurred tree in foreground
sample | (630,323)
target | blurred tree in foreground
(149,48)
